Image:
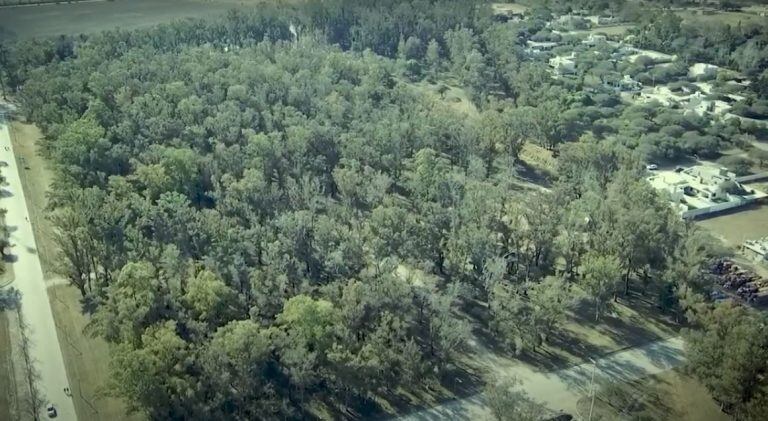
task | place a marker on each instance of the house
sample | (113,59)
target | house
(701,69)
(627,84)
(563,65)
(594,39)
(542,45)
(656,56)
(703,190)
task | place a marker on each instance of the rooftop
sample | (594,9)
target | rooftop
(704,187)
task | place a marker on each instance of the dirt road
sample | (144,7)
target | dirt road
(29,281)
(561,390)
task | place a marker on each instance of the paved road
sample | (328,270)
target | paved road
(35,306)
(561,390)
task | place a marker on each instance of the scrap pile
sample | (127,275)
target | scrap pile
(746,284)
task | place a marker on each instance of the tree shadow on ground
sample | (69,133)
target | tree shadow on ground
(531,174)
(641,327)
(456,383)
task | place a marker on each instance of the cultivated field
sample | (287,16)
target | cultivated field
(89,17)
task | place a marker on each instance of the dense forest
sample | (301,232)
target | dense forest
(241,201)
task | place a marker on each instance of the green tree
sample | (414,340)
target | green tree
(211,300)
(600,280)
(728,355)
(238,359)
(153,374)
(433,59)
(508,402)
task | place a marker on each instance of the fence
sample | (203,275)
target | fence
(695,213)
(753,177)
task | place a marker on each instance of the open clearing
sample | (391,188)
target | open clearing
(509,8)
(669,395)
(629,325)
(89,17)
(743,224)
(730,18)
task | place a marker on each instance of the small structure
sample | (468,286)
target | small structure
(704,190)
(563,65)
(594,39)
(541,45)
(700,69)
(656,56)
(627,84)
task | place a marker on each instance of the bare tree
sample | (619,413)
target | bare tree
(35,399)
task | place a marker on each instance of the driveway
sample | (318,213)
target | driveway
(562,389)
(35,306)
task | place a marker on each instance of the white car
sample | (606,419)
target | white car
(651,167)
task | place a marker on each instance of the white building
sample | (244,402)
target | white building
(563,65)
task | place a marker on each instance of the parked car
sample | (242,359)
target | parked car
(718,295)
(51,410)
(651,167)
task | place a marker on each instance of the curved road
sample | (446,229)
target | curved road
(35,307)
(562,389)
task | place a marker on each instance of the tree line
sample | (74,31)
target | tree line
(241,206)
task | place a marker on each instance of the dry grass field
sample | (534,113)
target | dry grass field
(89,17)
(672,395)
(736,227)
(6,370)
(730,18)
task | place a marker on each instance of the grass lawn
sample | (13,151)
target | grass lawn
(538,166)
(509,7)
(612,29)
(87,359)
(453,96)
(672,395)
(7,385)
(35,182)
